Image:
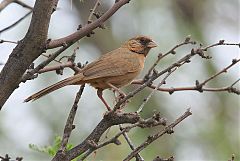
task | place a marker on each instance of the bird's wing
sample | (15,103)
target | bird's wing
(117,63)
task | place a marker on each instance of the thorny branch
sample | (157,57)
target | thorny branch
(167,130)
(153,121)
(69,124)
(93,11)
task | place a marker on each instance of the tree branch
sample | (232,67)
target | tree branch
(153,121)
(27,50)
(60,155)
(150,139)
(87,28)
(15,23)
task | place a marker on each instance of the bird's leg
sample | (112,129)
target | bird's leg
(121,93)
(99,93)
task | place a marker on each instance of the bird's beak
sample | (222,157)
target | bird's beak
(152,44)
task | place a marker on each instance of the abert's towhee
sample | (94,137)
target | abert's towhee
(112,70)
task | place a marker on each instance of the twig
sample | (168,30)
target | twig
(93,10)
(220,43)
(171,90)
(8,41)
(69,124)
(30,73)
(15,23)
(57,67)
(150,139)
(234,61)
(171,51)
(23,4)
(47,56)
(199,86)
(40,68)
(162,159)
(87,29)
(126,137)
(163,81)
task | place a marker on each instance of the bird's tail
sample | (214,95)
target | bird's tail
(76,79)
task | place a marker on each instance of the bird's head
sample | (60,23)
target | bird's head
(140,44)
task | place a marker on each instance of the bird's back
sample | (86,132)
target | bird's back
(118,67)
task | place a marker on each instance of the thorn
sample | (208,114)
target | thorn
(117,142)
(79,27)
(188,38)
(234,61)
(193,52)
(221,42)
(160,55)
(173,52)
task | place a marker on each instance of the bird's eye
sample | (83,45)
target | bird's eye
(143,42)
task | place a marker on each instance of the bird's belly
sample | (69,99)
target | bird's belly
(117,81)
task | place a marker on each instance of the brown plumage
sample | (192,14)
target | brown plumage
(112,70)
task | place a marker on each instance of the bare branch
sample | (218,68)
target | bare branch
(154,90)
(125,135)
(23,4)
(97,3)
(171,51)
(8,41)
(168,130)
(30,73)
(69,124)
(15,23)
(199,86)
(153,121)
(171,90)
(234,61)
(161,159)
(84,31)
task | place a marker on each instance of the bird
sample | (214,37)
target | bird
(112,70)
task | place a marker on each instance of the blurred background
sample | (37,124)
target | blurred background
(211,133)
